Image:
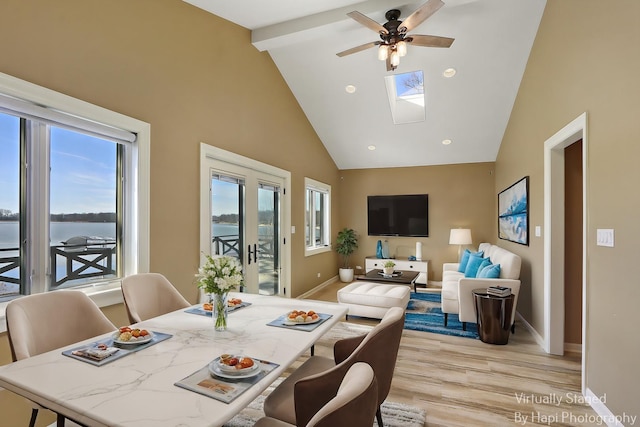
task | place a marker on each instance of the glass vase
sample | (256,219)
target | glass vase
(220,310)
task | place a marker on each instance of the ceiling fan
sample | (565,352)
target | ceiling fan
(393,33)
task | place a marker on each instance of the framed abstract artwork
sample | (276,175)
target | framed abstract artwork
(513,212)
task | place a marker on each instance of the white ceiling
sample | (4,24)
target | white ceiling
(493,39)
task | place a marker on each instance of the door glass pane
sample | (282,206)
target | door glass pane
(268,238)
(9,206)
(82,208)
(227,201)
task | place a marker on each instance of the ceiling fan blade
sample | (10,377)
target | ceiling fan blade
(367,22)
(429,41)
(357,49)
(420,15)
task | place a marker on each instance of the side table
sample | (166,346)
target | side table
(493,315)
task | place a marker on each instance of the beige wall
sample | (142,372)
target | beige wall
(192,76)
(459,196)
(585,59)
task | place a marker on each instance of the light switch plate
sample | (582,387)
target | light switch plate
(538,231)
(604,237)
(293,229)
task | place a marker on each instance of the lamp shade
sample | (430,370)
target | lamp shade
(460,236)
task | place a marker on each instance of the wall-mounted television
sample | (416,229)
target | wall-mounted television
(398,215)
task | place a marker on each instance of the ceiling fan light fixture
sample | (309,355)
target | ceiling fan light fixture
(383,52)
(395,58)
(402,48)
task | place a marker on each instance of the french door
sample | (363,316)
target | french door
(244,219)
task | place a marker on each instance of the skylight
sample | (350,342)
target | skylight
(406,97)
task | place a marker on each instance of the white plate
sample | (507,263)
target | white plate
(135,341)
(214,369)
(292,323)
(232,370)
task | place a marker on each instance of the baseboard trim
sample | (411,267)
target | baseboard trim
(531,329)
(605,415)
(322,285)
(573,348)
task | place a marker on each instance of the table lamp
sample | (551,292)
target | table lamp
(460,236)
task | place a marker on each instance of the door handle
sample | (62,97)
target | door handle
(255,252)
(249,252)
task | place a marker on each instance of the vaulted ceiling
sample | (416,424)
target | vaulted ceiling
(493,39)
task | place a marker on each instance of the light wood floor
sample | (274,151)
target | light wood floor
(465,382)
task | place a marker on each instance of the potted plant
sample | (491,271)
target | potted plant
(346,244)
(388,267)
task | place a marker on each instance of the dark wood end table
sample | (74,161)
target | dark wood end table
(493,315)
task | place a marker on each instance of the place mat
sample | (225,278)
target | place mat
(223,389)
(113,351)
(202,312)
(307,327)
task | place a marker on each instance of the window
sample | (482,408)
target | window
(74,188)
(406,97)
(317,225)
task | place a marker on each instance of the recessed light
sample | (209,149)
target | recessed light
(350,88)
(446,141)
(371,147)
(449,72)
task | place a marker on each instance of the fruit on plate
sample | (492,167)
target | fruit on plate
(207,307)
(126,333)
(237,362)
(299,316)
(233,302)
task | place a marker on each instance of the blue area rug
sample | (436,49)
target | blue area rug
(424,314)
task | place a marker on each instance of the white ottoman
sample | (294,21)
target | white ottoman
(368,299)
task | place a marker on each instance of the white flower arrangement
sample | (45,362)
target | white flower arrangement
(219,275)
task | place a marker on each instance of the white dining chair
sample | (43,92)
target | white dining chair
(43,322)
(148,295)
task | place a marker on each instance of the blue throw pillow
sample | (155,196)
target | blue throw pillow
(490,272)
(472,265)
(485,263)
(465,259)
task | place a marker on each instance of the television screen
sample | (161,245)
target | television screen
(399,215)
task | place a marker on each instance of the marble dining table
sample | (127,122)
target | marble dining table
(139,389)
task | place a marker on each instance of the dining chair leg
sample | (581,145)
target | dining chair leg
(313,349)
(60,421)
(34,415)
(379,417)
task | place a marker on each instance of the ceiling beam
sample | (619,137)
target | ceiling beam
(314,26)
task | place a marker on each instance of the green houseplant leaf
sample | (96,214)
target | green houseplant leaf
(346,244)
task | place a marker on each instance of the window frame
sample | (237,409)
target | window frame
(312,187)
(136,172)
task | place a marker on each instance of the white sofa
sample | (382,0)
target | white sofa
(457,296)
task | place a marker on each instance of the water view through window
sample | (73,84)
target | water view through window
(82,197)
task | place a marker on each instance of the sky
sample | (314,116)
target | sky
(82,170)
(225,198)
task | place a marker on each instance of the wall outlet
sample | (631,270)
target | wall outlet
(318,275)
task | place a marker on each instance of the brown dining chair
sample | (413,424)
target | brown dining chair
(148,295)
(41,322)
(378,348)
(353,405)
